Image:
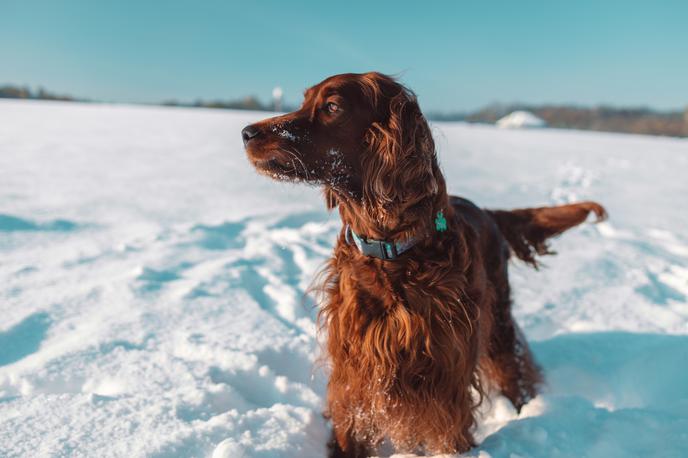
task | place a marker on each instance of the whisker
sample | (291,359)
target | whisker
(298,159)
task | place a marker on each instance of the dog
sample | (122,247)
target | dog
(417,307)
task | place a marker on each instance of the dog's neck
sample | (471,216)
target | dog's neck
(397,223)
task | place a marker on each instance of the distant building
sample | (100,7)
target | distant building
(520,120)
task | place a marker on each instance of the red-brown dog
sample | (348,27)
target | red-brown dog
(417,306)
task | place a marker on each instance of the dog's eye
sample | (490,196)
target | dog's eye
(332,107)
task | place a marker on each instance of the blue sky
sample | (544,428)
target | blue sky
(456,55)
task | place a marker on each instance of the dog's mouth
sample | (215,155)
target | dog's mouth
(277,168)
(281,162)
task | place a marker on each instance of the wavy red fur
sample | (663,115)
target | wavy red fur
(413,343)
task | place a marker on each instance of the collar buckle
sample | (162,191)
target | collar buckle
(381,249)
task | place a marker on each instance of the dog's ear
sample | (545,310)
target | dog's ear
(400,164)
(330,198)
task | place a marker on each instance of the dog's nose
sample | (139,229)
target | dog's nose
(249,133)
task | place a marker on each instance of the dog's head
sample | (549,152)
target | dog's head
(362,136)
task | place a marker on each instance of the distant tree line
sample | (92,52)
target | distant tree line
(603,118)
(246,103)
(16,92)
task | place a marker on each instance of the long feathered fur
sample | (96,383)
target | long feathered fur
(402,338)
(413,344)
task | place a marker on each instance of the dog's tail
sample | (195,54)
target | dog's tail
(528,229)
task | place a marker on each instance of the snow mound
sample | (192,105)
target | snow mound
(519,120)
(152,288)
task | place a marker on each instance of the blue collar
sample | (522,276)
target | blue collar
(381,249)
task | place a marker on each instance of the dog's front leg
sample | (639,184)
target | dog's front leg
(343,445)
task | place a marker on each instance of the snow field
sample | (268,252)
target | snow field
(152,288)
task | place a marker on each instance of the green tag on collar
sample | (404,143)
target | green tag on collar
(440,222)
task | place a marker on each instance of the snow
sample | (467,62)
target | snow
(519,120)
(152,288)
